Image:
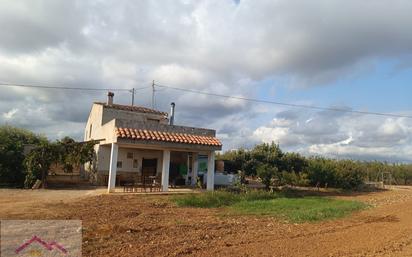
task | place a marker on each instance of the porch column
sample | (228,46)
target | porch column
(165,170)
(187,170)
(210,171)
(195,166)
(113,168)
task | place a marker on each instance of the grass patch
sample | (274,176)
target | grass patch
(299,209)
(285,206)
(218,199)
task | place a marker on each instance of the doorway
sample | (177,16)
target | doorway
(149,167)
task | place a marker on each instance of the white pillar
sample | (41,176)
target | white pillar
(165,170)
(188,169)
(210,171)
(113,168)
(195,166)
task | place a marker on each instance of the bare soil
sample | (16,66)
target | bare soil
(138,225)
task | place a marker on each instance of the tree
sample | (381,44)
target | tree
(38,162)
(266,173)
(13,142)
(321,171)
(295,169)
(236,160)
(349,174)
(67,152)
(73,154)
(268,153)
(293,162)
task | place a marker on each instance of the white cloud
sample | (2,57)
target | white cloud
(9,115)
(174,74)
(341,135)
(215,46)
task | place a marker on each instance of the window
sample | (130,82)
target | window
(119,164)
(153,120)
(129,155)
(90,131)
(135,164)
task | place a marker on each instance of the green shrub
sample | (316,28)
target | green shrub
(266,173)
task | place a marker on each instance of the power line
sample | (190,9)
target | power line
(133,91)
(65,87)
(286,104)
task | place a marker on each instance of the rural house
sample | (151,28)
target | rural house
(140,142)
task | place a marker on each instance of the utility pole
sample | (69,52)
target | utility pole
(132,96)
(153,95)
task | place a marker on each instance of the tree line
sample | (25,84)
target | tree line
(267,161)
(275,167)
(26,157)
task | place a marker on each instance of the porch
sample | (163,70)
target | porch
(172,191)
(143,168)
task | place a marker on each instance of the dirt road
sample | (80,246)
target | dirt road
(16,203)
(130,225)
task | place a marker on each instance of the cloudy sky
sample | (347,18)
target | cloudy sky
(344,54)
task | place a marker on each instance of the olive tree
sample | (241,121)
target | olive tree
(66,152)
(13,142)
(266,173)
(38,162)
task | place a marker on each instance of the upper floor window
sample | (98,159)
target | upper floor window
(153,120)
(90,131)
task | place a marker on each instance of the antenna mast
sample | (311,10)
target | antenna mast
(132,91)
(153,94)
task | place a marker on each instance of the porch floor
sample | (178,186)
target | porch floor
(188,190)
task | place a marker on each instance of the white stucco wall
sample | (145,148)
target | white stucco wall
(109,114)
(95,120)
(127,164)
(101,122)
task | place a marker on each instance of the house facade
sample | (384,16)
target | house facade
(138,141)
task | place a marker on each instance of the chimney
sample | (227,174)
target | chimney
(110,96)
(172,114)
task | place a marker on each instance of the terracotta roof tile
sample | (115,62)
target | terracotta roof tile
(133,108)
(143,134)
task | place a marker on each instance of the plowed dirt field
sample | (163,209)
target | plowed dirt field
(136,225)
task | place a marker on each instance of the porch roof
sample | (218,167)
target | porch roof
(163,136)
